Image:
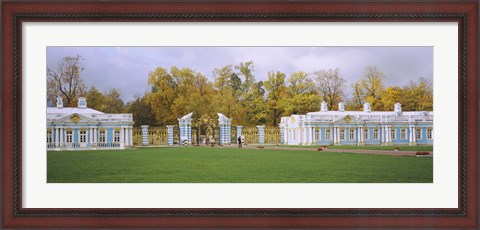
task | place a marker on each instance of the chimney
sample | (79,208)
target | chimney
(366,107)
(341,107)
(82,103)
(59,102)
(324,107)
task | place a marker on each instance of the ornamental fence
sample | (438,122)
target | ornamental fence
(159,135)
(84,146)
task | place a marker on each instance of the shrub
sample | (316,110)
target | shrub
(320,149)
(260,147)
(422,153)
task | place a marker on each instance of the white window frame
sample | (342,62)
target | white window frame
(116,136)
(376,135)
(318,134)
(418,134)
(68,136)
(83,136)
(351,134)
(328,134)
(366,134)
(403,134)
(102,136)
(49,136)
(393,133)
(429,133)
(342,132)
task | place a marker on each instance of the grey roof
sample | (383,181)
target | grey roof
(72,110)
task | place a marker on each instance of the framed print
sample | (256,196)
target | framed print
(217,114)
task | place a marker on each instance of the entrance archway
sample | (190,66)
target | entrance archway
(205,127)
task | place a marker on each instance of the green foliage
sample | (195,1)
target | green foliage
(107,103)
(370,88)
(142,111)
(390,97)
(276,99)
(236,93)
(418,96)
(302,95)
(232,165)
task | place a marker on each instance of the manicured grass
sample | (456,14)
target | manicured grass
(370,147)
(225,165)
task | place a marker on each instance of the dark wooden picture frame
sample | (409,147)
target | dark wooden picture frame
(14,13)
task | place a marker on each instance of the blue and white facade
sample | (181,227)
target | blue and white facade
(72,128)
(225,127)
(358,127)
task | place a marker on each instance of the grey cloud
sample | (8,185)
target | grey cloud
(127,68)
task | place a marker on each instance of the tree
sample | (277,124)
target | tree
(418,95)
(331,86)
(110,102)
(162,96)
(277,92)
(370,87)
(113,103)
(246,70)
(252,97)
(225,100)
(64,80)
(358,96)
(256,110)
(142,111)
(302,95)
(390,97)
(95,99)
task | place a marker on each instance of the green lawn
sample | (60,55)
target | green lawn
(370,147)
(224,165)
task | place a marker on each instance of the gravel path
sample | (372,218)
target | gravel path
(360,151)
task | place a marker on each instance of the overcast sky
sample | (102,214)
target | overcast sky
(127,68)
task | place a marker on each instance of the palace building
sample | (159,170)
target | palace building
(75,128)
(358,127)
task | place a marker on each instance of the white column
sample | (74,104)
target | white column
(389,136)
(305,135)
(361,134)
(310,135)
(127,136)
(414,134)
(386,135)
(383,133)
(121,136)
(410,136)
(61,136)
(334,135)
(95,135)
(358,135)
(90,135)
(56,133)
(313,135)
(338,135)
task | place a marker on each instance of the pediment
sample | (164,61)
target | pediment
(348,119)
(75,118)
